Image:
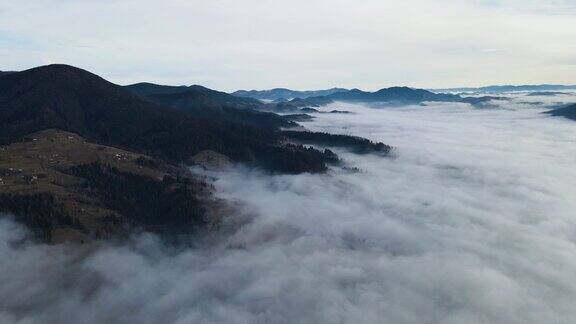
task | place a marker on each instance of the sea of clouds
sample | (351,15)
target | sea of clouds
(472,220)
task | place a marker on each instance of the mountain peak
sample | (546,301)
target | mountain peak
(55,69)
(397,89)
(54,77)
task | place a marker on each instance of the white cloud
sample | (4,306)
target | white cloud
(471,222)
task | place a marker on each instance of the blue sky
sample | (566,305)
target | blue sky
(233,44)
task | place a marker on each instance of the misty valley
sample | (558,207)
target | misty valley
(173,204)
(287,162)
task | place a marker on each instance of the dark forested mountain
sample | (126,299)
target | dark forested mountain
(392,96)
(5,73)
(65,188)
(202,94)
(511,88)
(210,104)
(82,158)
(285,94)
(146,88)
(548,93)
(568,112)
(196,99)
(356,144)
(71,99)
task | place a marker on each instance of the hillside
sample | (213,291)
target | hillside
(357,145)
(82,158)
(279,94)
(567,112)
(202,102)
(388,96)
(210,96)
(67,189)
(394,94)
(71,99)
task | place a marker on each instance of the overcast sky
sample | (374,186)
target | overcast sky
(302,44)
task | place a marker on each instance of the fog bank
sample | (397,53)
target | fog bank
(471,221)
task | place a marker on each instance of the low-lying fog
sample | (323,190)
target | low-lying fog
(472,221)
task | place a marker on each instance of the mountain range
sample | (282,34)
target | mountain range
(71,99)
(283,94)
(247,107)
(510,88)
(210,104)
(82,158)
(388,96)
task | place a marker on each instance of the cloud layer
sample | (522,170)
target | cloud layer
(472,221)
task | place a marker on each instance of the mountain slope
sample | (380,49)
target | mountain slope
(71,99)
(285,94)
(67,189)
(206,103)
(567,112)
(392,96)
(207,95)
(5,73)
(511,88)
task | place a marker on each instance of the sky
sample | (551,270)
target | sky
(300,44)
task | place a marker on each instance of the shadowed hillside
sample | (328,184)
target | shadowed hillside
(82,158)
(387,96)
(202,102)
(67,189)
(567,112)
(202,94)
(71,99)
(356,144)
(285,94)
(5,73)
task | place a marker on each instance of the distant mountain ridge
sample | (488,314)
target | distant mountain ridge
(285,94)
(207,103)
(146,89)
(510,88)
(394,94)
(388,96)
